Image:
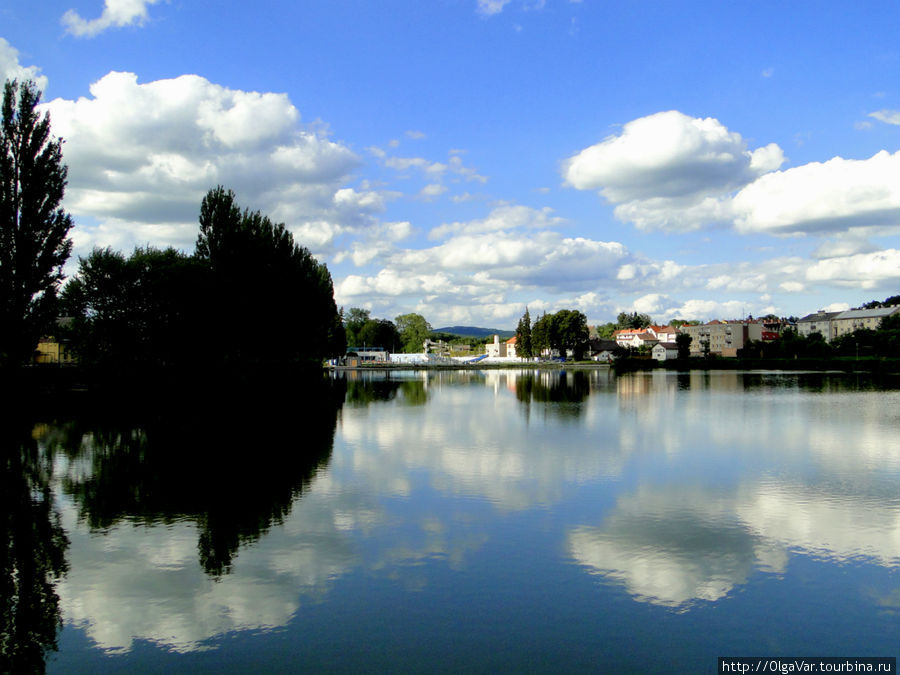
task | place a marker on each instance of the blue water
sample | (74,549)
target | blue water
(499,520)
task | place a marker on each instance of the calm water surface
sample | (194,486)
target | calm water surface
(540,521)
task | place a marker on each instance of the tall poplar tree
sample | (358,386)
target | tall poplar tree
(34,244)
(523,336)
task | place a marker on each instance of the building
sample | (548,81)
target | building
(665,334)
(496,349)
(361,355)
(634,337)
(50,351)
(724,338)
(601,350)
(858,319)
(511,347)
(665,351)
(831,325)
(819,322)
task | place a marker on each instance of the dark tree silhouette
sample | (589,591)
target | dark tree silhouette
(33,228)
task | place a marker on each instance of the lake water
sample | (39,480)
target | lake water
(482,521)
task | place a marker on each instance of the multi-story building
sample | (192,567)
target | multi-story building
(832,325)
(857,319)
(818,322)
(723,337)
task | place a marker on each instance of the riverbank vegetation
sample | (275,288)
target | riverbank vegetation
(248,297)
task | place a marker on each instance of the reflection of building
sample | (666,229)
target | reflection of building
(722,337)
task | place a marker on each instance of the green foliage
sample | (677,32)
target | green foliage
(565,330)
(414,330)
(354,320)
(887,302)
(249,297)
(379,333)
(569,331)
(633,320)
(148,310)
(683,342)
(274,300)
(34,244)
(524,346)
(605,331)
(678,323)
(540,334)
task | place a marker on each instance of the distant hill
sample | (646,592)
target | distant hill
(475,332)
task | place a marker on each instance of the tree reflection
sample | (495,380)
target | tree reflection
(233,462)
(364,392)
(33,552)
(562,393)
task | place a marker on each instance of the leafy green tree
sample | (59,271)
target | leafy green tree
(414,330)
(605,331)
(34,244)
(524,347)
(147,310)
(276,302)
(683,343)
(379,333)
(678,323)
(569,331)
(633,320)
(354,320)
(540,334)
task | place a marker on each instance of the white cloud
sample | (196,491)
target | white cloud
(837,195)
(863,270)
(432,190)
(116,13)
(10,69)
(434,170)
(491,7)
(669,170)
(143,155)
(845,245)
(887,116)
(504,217)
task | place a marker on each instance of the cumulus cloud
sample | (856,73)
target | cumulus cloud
(863,270)
(669,170)
(837,195)
(11,69)
(143,155)
(116,14)
(487,261)
(674,172)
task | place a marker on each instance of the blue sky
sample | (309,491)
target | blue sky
(464,158)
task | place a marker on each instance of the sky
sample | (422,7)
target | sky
(464,159)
